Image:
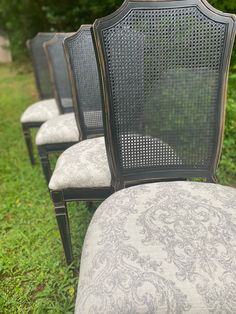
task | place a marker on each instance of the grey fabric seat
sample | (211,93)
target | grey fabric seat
(85,164)
(58,130)
(40,111)
(82,165)
(161,248)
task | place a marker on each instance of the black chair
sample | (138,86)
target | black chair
(162,247)
(59,133)
(82,171)
(82,66)
(46,108)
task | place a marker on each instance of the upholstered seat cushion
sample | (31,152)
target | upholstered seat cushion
(161,248)
(82,165)
(61,129)
(41,111)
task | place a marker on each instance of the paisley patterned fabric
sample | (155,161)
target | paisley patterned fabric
(41,111)
(165,247)
(61,129)
(82,165)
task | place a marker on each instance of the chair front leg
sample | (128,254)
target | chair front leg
(29,145)
(43,155)
(63,224)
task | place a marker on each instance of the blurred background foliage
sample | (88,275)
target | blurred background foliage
(23,19)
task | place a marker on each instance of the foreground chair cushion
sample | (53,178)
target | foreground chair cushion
(161,248)
(61,129)
(82,165)
(40,111)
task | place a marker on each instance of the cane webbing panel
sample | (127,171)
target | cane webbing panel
(40,64)
(163,69)
(60,73)
(84,69)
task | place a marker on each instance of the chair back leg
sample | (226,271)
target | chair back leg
(29,145)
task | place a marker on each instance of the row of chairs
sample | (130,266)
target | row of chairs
(135,104)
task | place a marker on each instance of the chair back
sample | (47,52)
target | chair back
(59,72)
(83,70)
(40,65)
(163,68)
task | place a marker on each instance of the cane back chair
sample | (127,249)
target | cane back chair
(170,120)
(80,56)
(82,171)
(162,247)
(59,133)
(46,108)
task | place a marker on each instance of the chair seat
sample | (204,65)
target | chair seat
(165,247)
(41,111)
(61,129)
(82,165)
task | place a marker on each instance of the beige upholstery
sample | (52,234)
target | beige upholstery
(85,164)
(41,111)
(161,248)
(61,129)
(82,165)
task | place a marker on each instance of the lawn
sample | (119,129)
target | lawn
(33,275)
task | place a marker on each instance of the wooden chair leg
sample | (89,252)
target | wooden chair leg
(29,145)
(43,155)
(63,224)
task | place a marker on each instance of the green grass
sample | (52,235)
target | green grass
(33,274)
(227,168)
